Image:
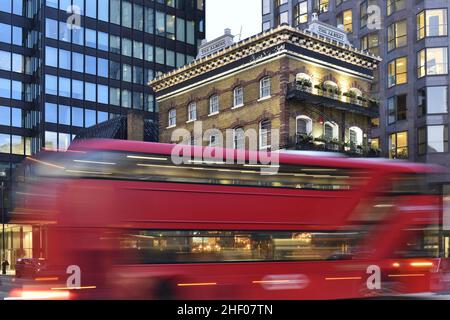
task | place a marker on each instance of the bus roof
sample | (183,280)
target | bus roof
(285,157)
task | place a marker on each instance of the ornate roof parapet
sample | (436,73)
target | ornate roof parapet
(284,34)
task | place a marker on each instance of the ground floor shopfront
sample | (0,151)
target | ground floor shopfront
(20,241)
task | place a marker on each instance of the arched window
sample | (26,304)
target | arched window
(330,131)
(355,92)
(330,85)
(192,111)
(172,117)
(213,141)
(304,125)
(356,136)
(300,77)
(214,104)
(238,138)
(265,87)
(264,134)
(331,89)
(238,99)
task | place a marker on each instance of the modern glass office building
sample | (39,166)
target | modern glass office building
(413,80)
(66,65)
(412,38)
(70,64)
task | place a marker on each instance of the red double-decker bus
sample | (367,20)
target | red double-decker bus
(319,227)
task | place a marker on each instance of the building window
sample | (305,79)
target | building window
(345,18)
(432,100)
(265,127)
(397,35)
(356,136)
(172,117)
(395,5)
(397,108)
(330,131)
(238,99)
(301,13)
(283,17)
(214,104)
(266,26)
(214,140)
(432,23)
(266,7)
(422,140)
(192,111)
(432,61)
(304,125)
(398,72)
(364,11)
(437,137)
(238,138)
(265,88)
(398,145)
(321,5)
(433,139)
(370,43)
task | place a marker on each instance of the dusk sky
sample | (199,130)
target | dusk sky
(233,14)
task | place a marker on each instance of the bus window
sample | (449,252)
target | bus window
(420,243)
(233,246)
(158,168)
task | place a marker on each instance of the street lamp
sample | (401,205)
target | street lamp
(2,199)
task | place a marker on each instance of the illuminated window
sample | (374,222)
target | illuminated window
(370,43)
(432,61)
(398,71)
(397,35)
(398,145)
(321,5)
(395,5)
(432,23)
(301,13)
(346,19)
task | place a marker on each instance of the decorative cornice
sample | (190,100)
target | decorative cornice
(264,41)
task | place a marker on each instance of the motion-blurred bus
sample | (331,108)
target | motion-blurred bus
(140,227)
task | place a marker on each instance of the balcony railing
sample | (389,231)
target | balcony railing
(308,143)
(333,98)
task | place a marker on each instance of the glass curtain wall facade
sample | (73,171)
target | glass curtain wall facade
(70,64)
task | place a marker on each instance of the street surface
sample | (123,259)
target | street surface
(8,283)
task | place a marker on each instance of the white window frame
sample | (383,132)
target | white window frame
(265,88)
(241,140)
(359,135)
(192,112)
(214,104)
(264,135)
(172,115)
(309,124)
(335,129)
(238,97)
